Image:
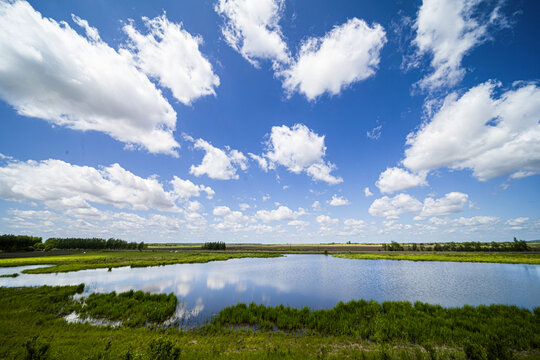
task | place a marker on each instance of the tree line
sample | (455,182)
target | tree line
(9,242)
(516,245)
(219,245)
(93,244)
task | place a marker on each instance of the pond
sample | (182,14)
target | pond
(316,281)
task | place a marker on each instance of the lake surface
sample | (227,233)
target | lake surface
(316,281)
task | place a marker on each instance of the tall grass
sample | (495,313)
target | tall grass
(133,308)
(401,321)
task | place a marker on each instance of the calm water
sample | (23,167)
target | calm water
(316,281)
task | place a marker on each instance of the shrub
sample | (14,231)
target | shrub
(163,349)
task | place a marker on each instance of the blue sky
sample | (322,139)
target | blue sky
(270,121)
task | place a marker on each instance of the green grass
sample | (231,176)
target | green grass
(110,259)
(401,321)
(132,308)
(509,258)
(14,275)
(31,321)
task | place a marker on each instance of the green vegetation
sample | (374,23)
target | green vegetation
(32,327)
(420,323)
(112,259)
(10,242)
(14,275)
(509,258)
(515,246)
(214,246)
(93,243)
(134,309)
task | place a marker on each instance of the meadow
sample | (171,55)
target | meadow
(32,327)
(113,259)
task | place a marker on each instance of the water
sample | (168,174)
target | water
(316,281)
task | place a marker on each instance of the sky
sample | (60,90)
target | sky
(270,121)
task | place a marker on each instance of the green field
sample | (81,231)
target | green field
(509,258)
(31,323)
(112,259)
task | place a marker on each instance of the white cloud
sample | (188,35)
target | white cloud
(316,206)
(447,30)
(346,54)
(263,163)
(244,206)
(185,189)
(279,214)
(61,185)
(194,206)
(375,133)
(252,29)
(325,220)
(49,71)
(517,223)
(221,210)
(391,208)
(217,163)
(338,201)
(451,203)
(463,221)
(367,192)
(353,226)
(491,136)
(298,223)
(299,149)
(396,179)
(232,221)
(171,54)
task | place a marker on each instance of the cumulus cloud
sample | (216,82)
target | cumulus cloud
(217,163)
(252,29)
(316,206)
(353,226)
(325,220)
(338,201)
(171,54)
(491,136)
(367,192)
(391,208)
(396,179)
(447,30)
(244,206)
(185,189)
(279,214)
(263,163)
(49,71)
(299,149)
(230,220)
(61,185)
(300,224)
(451,203)
(346,54)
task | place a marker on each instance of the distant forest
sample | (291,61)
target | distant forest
(10,242)
(516,245)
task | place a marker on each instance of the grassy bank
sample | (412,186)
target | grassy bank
(110,259)
(509,258)
(31,322)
